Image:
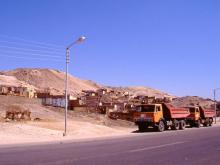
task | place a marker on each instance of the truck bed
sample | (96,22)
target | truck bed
(206,113)
(171,112)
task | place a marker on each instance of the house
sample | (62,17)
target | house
(27,92)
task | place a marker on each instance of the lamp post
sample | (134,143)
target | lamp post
(78,41)
(215,102)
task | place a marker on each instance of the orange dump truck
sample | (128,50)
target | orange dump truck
(199,115)
(160,116)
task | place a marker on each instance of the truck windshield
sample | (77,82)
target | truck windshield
(147,108)
(192,110)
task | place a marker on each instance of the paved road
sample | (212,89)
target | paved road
(190,147)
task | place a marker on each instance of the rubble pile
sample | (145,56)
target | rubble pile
(16,113)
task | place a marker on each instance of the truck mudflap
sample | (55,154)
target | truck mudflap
(144,122)
(207,122)
(144,125)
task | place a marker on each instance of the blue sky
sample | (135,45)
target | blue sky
(169,45)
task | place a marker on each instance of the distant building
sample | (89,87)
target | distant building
(18,91)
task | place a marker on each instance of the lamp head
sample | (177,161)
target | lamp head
(81,39)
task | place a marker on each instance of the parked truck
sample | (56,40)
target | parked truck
(199,115)
(160,116)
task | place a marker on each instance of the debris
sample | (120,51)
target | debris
(16,113)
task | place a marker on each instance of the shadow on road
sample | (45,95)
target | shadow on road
(154,130)
(145,131)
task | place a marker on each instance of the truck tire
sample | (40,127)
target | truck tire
(142,127)
(210,122)
(175,125)
(182,124)
(161,126)
(206,123)
(197,124)
(191,124)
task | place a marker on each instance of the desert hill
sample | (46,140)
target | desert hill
(54,80)
(42,79)
(10,81)
(193,100)
(140,90)
(50,79)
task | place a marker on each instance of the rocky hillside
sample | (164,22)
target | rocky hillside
(50,79)
(42,79)
(138,90)
(54,80)
(193,100)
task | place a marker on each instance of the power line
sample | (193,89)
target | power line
(30,58)
(34,54)
(33,45)
(31,41)
(15,47)
(34,50)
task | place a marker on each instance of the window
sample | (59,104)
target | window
(147,108)
(192,110)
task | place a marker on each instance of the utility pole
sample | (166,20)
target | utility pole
(78,41)
(66,89)
(215,103)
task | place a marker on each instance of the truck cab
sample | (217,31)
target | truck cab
(194,118)
(148,115)
(160,116)
(199,115)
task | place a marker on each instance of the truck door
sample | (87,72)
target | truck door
(158,113)
(197,113)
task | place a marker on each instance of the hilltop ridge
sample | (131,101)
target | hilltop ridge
(43,78)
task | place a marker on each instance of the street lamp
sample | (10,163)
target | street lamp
(215,102)
(78,41)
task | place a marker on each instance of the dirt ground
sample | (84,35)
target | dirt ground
(49,125)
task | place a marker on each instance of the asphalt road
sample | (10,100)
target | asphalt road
(196,146)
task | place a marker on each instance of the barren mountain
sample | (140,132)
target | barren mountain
(139,90)
(193,100)
(54,80)
(51,79)
(10,80)
(13,81)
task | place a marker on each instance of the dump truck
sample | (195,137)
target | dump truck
(199,115)
(160,116)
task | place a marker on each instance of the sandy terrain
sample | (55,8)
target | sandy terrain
(51,124)
(29,132)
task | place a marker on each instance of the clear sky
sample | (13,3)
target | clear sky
(171,45)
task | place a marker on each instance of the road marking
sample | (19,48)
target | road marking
(72,160)
(155,147)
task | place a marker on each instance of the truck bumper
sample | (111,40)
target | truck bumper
(148,123)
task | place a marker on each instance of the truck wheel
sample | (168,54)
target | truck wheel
(175,125)
(192,125)
(197,124)
(161,126)
(142,127)
(210,122)
(206,124)
(182,124)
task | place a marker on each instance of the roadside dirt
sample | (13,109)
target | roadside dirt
(49,125)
